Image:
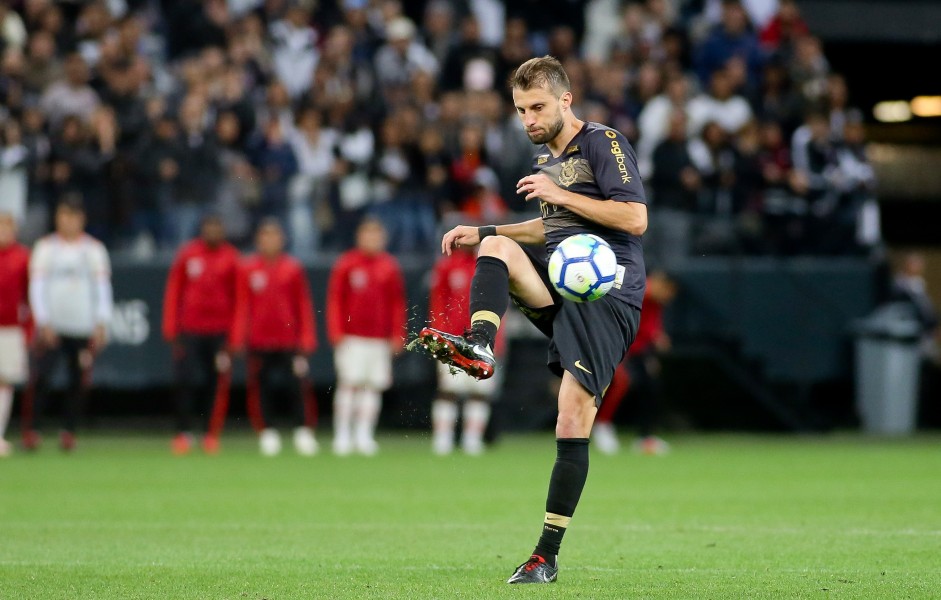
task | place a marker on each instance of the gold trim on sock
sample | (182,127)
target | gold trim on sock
(557,520)
(486,315)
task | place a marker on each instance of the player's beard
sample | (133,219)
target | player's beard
(547,135)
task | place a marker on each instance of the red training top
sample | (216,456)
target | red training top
(650,328)
(200,294)
(273,308)
(366,297)
(14,285)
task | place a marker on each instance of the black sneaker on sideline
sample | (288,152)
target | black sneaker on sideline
(535,570)
(463,352)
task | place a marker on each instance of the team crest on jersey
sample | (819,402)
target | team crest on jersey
(359,279)
(258,281)
(568,175)
(572,149)
(542,159)
(195,267)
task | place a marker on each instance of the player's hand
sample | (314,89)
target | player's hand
(300,366)
(99,338)
(48,337)
(223,362)
(462,235)
(540,186)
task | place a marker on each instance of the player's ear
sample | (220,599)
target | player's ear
(566,100)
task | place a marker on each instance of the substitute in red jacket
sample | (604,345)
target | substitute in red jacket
(640,370)
(274,321)
(14,286)
(448,311)
(198,307)
(366,324)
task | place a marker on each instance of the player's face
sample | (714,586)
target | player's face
(213,232)
(7,230)
(69,223)
(270,241)
(371,238)
(541,112)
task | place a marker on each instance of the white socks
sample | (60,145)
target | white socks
(355,414)
(443,419)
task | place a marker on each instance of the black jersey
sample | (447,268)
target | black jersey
(598,163)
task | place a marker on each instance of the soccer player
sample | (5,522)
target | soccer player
(71,300)
(14,283)
(274,320)
(366,325)
(641,370)
(585,177)
(198,306)
(447,311)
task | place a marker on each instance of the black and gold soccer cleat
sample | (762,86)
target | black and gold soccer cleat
(464,352)
(535,570)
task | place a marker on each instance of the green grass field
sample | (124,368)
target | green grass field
(721,517)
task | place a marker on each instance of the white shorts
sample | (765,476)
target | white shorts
(462,384)
(13,361)
(364,362)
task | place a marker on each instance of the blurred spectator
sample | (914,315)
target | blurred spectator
(43,66)
(777,99)
(79,158)
(14,316)
(274,159)
(674,200)
(781,208)
(71,301)
(295,51)
(38,147)
(239,190)
(815,166)
(366,325)
(439,31)
(855,179)
(198,309)
(71,96)
(274,322)
(720,105)
(309,211)
(909,287)
(157,158)
(734,36)
(470,63)
(785,26)
(655,120)
(14,175)
(12,29)
(199,175)
(809,67)
(402,55)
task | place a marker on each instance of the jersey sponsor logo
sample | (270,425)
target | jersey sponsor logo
(195,267)
(258,281)
(569,174)
(542,159)
(610,134)
(620,159)
(578,365)
(359,279)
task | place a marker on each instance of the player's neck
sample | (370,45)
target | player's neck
(571,128)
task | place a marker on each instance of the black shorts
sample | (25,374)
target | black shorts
(587,339)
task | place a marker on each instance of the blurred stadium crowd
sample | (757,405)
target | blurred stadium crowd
(319,112)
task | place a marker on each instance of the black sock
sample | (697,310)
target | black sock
(490,296)
(565,488)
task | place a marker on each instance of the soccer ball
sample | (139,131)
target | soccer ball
(583,267)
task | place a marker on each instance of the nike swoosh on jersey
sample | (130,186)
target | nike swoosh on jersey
(578,365)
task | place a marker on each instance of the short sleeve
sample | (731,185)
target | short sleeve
(614,164)
(101,263)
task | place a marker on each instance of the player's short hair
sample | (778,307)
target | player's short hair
(71,203)
(545,72)
(270,223)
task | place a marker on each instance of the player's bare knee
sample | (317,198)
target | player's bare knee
(572,424)
(497,246)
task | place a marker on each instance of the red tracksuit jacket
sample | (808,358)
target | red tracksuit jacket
(274,309)
(366,297)
(449,304)
(14,285)
(200,294)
